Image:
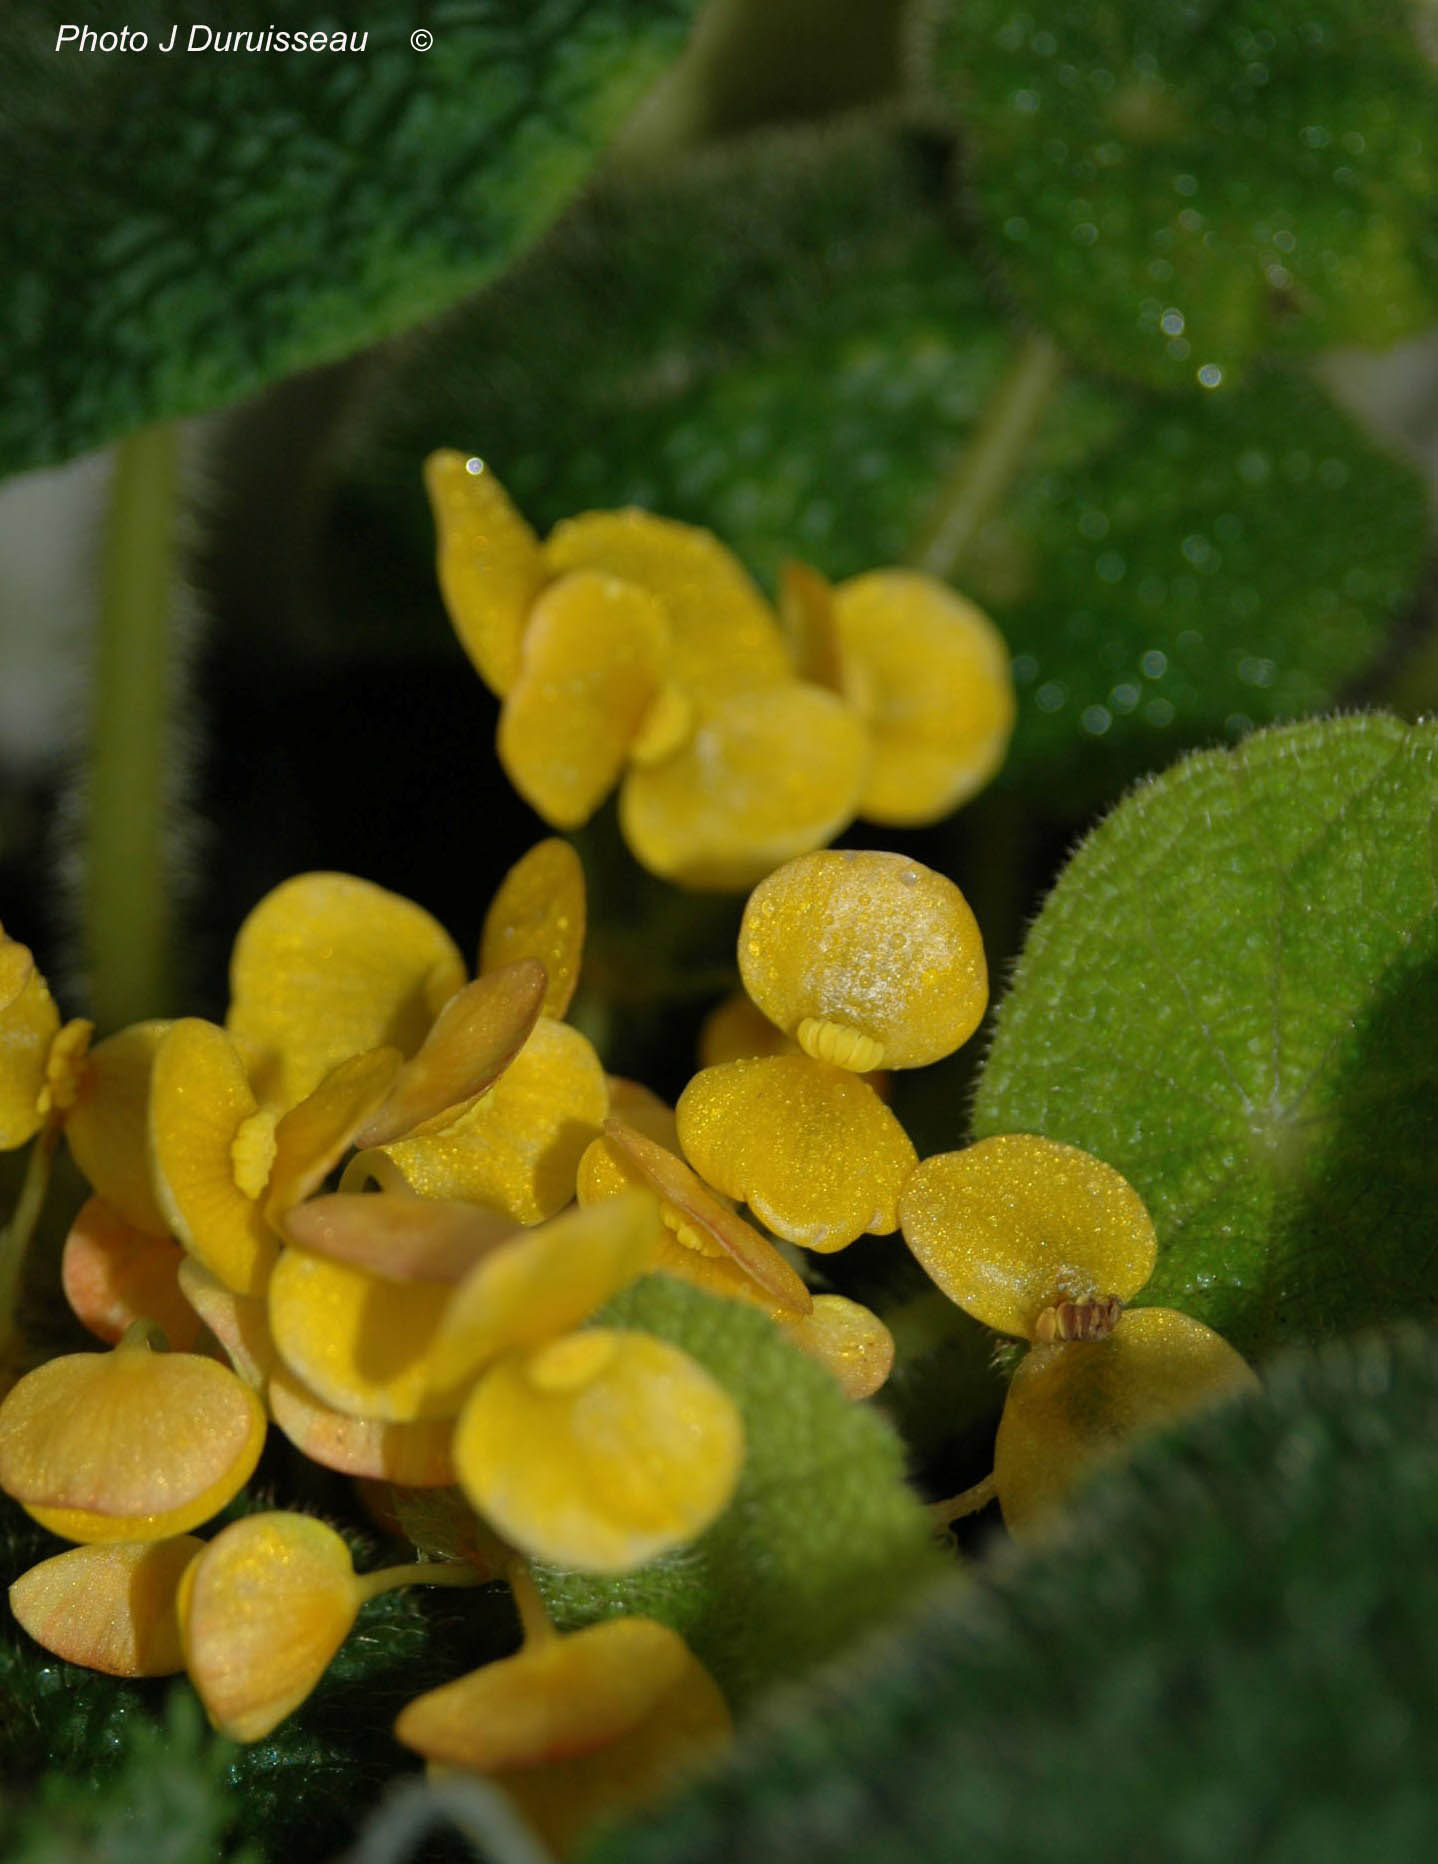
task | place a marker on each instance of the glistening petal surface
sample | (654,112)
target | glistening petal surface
(490,569)
(539,911)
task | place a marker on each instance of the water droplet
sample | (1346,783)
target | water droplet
(1186,184)
(1228,527)
(1284,240)
(1237,723)
(1085,233)
(1093,524)
(1255,671)
(1110,567)
(1191,220)
(1125,697)
(1095,720)
(1051,696)
(1023,668)
(1026,102)
(1315,136)
(475,466)
(1045,44)
(1254,466)
(1159,712)
(1178,348)
(1171,323)
(1016,227)
(1154,664)
(1197,550)
(1209,375)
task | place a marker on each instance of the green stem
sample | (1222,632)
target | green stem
(420,1573)
(15,1239)
(127,905)
(992,458)
(966,1502)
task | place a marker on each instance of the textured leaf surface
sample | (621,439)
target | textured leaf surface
(182,229)
(823,1538)
(1233,1652)
(1232,997)
(1176,188)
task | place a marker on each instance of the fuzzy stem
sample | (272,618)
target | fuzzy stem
(15,1238)
(127,904)
(988,464)
(419,1573)
(966,1502)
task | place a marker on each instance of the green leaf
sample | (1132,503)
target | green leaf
(182,230)
(1174,188)
(824,1537)
(1232,996)
(1231,1651)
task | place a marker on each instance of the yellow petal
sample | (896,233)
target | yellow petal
(930,673)
(240,1322)
(200,1105)
(806,606)
(768,774)
(107,1128)
(1076,1404)
(415,1456)
(847,1338)
(29,1022)
(1014,1224)
(600,1450)
(593,664)
(327,966)
(399,1237)
(109,1607)
(543,1283)
(312,1138)
(362,1345)
(724,635)
(518,1150)
(875,944)
(114,1275)
(738,1030)
(490,569)
(262,1612)
(812,1150)
(65,1067)
(129,1444)
(475,1037)
(539,912)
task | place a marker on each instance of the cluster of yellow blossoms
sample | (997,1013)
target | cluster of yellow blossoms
(631,650)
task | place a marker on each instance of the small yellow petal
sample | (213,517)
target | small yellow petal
(600,1450)
(1016,1223)
(107,1128)
(847,1338)
(870,942)
(930,673)
(399,1237)
(414,1455)
(114,1275)
(490,569)
(327,966)
(806,605)
(200,1103)
(65,1066)
(312,1138)
(768,774)
(240,1322)
(539,912)
(593,664)
(1073,1405)
(262,1611)
(110,1607)
(812,1150)
(738,1030)
(29,1022)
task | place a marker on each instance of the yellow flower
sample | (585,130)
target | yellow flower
(1043,1241)
(39,1061)
(111,1606)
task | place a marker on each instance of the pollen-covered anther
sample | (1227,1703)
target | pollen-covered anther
(839,1043)
(665,728)
(1078,1320)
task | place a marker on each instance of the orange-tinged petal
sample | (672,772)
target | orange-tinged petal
(600,1450)
(724,635)
(129,1444)
(107,1128)
(29,1022)
(519,1149)
(1076,1404)
(240,1322)
(1016,1223)
(110,1607)
(312,1138)
(870,943)
(592,666)
(363,1345)
(810,1148)
(262,1611)
(930,673)
(415,1456)
(328,966)
(200,1107)
(849,1339)
(475,1037)
(540,912)
(767,775)
(114,1275)
(490,569)
(543,1283)
(399,1237)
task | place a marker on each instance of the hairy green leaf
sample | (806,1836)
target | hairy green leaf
(1232,996)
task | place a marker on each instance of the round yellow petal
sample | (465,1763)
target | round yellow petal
(540,912)
(768,774)
(1073,1405)
(1016,1223)
(738,1030)
(490,569)
(810,1148)
(869,942)
(240,1322)
(109,1607)
(328,966)
(398,1237)
(592,666)
(847,1338)
(930,673)
(107,1128)
(312,1138)
(129,1444)
(415,1455)
(600,1450)
(262,1612)
(114,1275)
(200,1104)
(29,1023)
